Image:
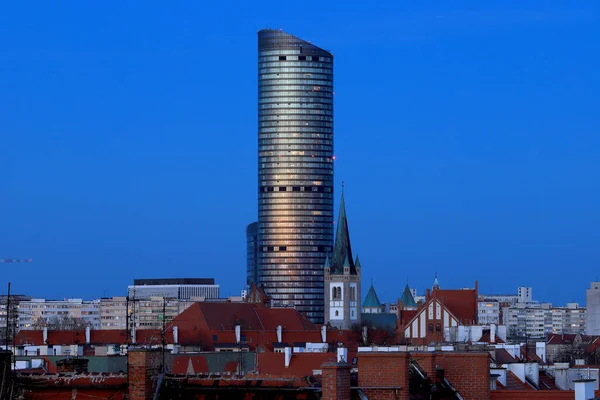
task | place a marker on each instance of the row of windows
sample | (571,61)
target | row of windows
(269,227)
(294,123)
(306,115)
(294,297)
(292,279)
(278,68)
(284,77)
(276,81)
(283,236)
(285,143)
(291,207)
(291,63)
(272,174)
(295,105)
(289,55)
(295,290)
(299,100)
(323,212)
(296,200)
(304,263)
(267,89)
(292,159)
(301,275)
(307,165)
(319,188)
(305,94)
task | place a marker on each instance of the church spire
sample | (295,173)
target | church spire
(342,249)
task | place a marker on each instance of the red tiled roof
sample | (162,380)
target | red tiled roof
(108,336)
(30,337)
(461,303)
(184,365)
(301,364)
(546,382)
(288,318)
(514,383)
(501,356)
(486,338)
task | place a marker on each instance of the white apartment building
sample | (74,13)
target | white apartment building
(42,311)
(593,309)
(174,288)
(535,322)
(148,313)
(524,294)
(488,312)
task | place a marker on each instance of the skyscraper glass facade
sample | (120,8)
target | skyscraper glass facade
(295,169)
(252,254)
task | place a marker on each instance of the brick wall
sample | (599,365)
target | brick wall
(335,381)
(468,373)
(143,371)
(383,376)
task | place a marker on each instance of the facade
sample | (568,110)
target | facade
(295,169)
(113,312)
(174,288)
(252,254)
(9,315)
(342,279)
(488,312)
(36,313)
(593,309)
(440,317)
(537,322)
(525,294)
(146,313)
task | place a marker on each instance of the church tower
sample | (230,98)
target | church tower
(342,278)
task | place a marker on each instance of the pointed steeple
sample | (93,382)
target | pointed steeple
(372,300)
(327,262)
(342,249)
(436,283)
(407,298)
(346,262)
(357,263)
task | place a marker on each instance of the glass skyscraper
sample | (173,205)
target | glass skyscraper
(295,169)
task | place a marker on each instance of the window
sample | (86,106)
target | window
(301,58)
(337,313)
(438,328)
(430,328)
(282,58)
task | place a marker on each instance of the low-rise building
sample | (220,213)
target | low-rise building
(174,288)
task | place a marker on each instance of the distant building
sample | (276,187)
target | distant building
(35,313)
(342,278)
(593,309)
(174,288)
(537,321)
(525,294)
(372,305)
(252,254)
(9,317)
(488,312)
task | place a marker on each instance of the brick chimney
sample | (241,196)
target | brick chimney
(143,371)
(336,381)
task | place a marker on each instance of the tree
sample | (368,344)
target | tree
(66,323)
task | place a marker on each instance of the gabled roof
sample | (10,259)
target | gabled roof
(407,298)
(342,250)
(372,300)
(462,303)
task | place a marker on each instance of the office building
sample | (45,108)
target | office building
(252,254)
(174,288)
(593,309)
(295,169)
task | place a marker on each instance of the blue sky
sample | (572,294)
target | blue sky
(467,134)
